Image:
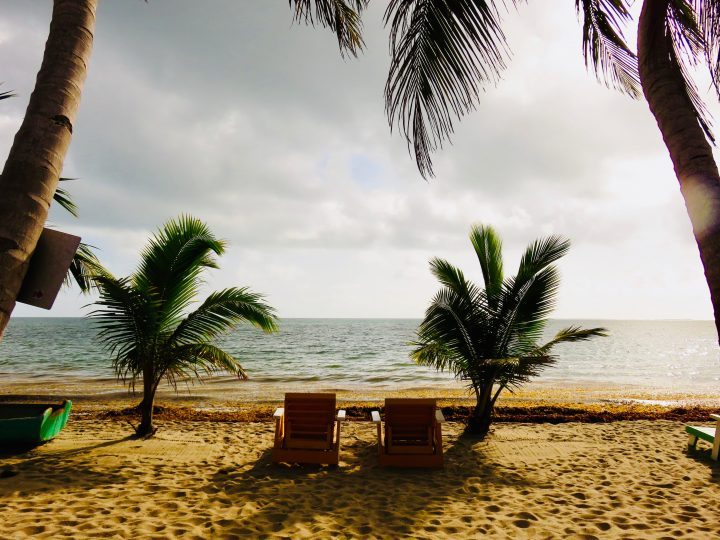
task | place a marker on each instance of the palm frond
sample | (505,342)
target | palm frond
(686,46)
(525,311)
(7,94)
(341,16)
(84,268)
(604,45)
(446,333)
(443,54)
(124,322)
(171,265)
(62,197)
(707,16)
(188,361)
(521,370)
(571,334)
(220,312)
(488,248)
(541,253)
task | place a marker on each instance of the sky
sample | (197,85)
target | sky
(228,111)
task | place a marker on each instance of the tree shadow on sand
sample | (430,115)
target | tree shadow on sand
(37,470)
(360,498)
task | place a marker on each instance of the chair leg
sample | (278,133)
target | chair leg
(692,442)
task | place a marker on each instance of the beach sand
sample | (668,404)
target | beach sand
(630,479)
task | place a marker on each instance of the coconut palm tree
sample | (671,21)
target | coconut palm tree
(144,322)
(444,53)
(34,164)
(491,337)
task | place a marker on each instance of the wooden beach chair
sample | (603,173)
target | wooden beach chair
(307,430)
(709,434)
(413,434)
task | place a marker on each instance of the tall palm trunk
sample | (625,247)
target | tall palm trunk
(690,152)
(35,161)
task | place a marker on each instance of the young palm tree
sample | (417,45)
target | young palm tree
(445,53)
(143,318)
(34,164)
(490,337)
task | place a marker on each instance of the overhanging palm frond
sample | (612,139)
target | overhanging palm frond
(341,16)
(707,15)
(604,46)
(220,312)
(7,94)
(686,46)
(443,54)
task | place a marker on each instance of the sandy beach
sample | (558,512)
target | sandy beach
(206,479)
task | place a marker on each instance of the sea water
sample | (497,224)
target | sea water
(676,356)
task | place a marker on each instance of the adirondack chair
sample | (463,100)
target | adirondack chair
(412,435)
(709,434)
(307,430)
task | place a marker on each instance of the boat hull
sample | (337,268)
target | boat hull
(32,423)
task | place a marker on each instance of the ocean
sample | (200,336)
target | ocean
(669,356)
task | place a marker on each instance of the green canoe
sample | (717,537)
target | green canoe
(32,423)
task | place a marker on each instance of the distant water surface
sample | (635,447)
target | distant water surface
(676,356)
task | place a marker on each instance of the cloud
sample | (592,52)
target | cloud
(260,128)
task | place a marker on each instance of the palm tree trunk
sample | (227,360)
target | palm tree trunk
(147,404)
(35,161)
(481,418)
(690,152)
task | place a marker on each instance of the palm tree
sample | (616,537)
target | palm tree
(143,320)
(444,53)
(34,164)
(490,337)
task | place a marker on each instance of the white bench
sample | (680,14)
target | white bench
(709,434)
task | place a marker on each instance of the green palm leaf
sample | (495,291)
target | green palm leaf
(488,248)
(220,312)
(171,265)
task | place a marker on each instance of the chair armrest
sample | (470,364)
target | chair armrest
(279,412)
(439,418)
(340,415)
(715,417)
(375,415)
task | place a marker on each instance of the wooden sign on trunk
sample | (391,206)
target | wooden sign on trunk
(48,267)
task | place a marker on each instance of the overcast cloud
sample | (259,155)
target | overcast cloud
(226,111)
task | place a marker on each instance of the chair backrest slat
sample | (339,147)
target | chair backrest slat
(409,419)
